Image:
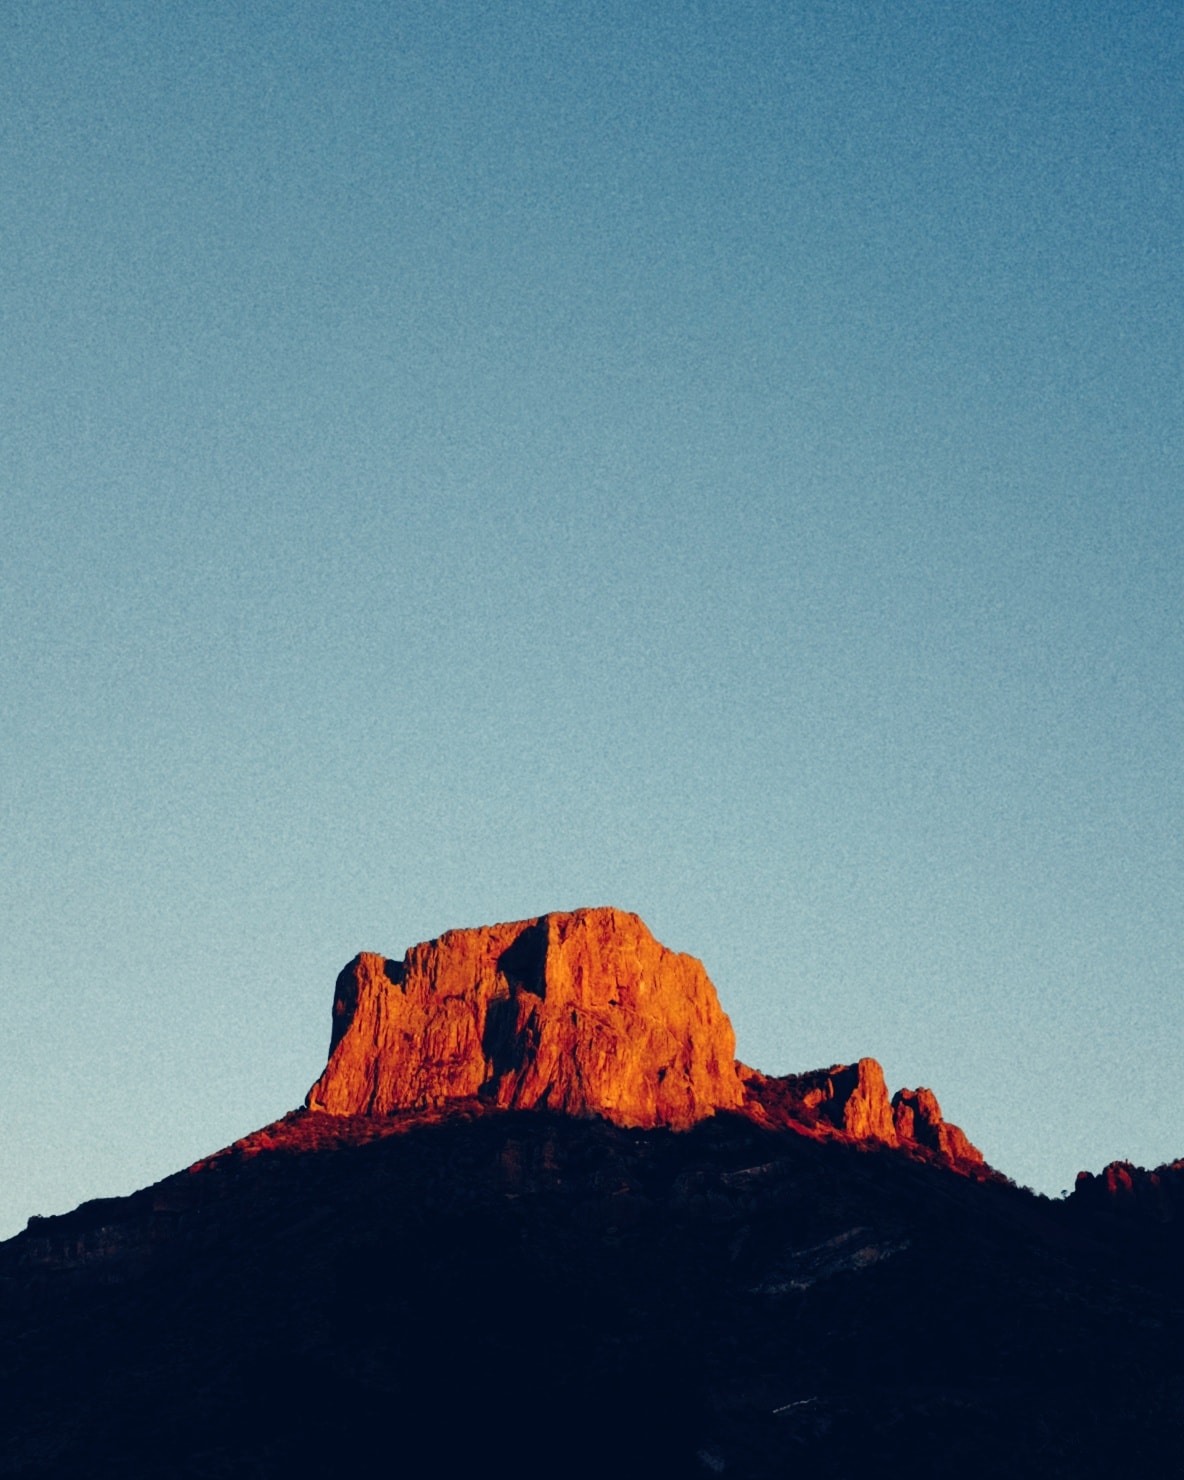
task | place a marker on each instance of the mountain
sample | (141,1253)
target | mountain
(582,1012)
(534,1220)
(585,1013)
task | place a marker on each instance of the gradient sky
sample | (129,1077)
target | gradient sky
(461,460)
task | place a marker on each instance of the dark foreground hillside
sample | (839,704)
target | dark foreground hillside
(485,1293)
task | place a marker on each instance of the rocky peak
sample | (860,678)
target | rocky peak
(918,1121)
(852,1101)
(853,1098)
(583,1012)
(1130,1191)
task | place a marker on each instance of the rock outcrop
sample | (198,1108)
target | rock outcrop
(853,1098)
(918,1121)
(584,1013)
(1132,1192)
(852,1101)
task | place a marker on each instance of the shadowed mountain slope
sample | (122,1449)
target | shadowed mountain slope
(818,1280)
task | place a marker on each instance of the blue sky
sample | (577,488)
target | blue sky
(460,461)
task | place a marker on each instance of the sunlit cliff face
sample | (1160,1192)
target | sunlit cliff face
(587,1014)
(584,1013)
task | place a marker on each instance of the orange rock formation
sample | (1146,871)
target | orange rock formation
(588,1014)
(918,1119)
(851,1101)
(859,1095)
(584,1013)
